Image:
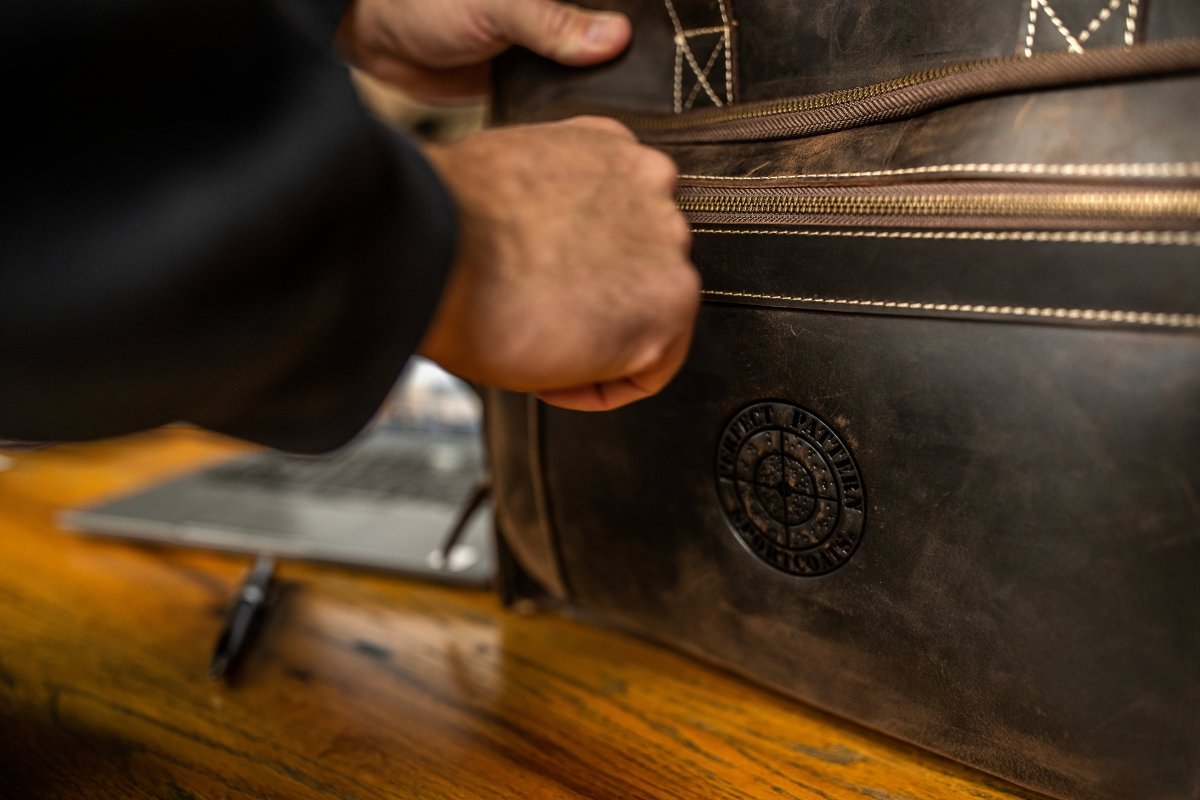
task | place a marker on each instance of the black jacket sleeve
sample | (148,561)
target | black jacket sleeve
(201,223)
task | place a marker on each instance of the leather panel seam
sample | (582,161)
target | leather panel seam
(1178,169)
(1143,318)
(1075,42)
(722,51)
(540,492)
(1156,238)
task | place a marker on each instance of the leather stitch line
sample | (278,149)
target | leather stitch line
(678,26)
(678,106)
(1031,28)
(683,51)
(682,46)
(538,477)
(701,75)
(1072,42)
(1099,20)
(712,60)
(1179,169)
(1075,42)
(1131,20)
(1155,318)
(727,41)
(1163,238)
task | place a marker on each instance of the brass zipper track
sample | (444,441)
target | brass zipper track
(912,94)
(1179,208)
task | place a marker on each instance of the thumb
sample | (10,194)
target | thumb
(563,32)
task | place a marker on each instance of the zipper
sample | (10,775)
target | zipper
(1026,210)
(913,94)
(1037,202)
(979,204)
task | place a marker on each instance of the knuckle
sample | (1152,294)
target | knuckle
(682,232)
(657,167)
(680,297)
(672,233)
(603,125)
(655,381)
(694,284)
(559,21)
(689,292)
(651,353)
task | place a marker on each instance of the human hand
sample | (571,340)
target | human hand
(573,280)
(439,49)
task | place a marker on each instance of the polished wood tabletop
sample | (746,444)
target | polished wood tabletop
(365,685)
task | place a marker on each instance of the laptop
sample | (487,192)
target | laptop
(387,501)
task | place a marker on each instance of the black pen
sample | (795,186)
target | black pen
(479,492)
(250,601)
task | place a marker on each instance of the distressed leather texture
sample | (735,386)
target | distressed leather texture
(1021,403)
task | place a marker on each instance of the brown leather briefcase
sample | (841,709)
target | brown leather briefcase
(933,463)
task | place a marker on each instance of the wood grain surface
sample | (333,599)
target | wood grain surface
(364,685)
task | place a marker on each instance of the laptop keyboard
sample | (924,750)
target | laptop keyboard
(444,478)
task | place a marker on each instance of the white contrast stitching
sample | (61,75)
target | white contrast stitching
(712,60)
(1072,43)
(1181,169)
(684,52)
(678,80)
(1075,41)
(1155,318)
(701,75)
(1099,20)
(678,26)
(1164,238)
(1131,23)
(675,23)
(682,46)
(727,43)
(1031,28)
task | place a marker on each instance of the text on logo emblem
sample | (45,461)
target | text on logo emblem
(790,489)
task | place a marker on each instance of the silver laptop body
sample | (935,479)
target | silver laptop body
(386,501)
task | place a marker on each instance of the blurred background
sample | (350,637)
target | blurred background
(442,123)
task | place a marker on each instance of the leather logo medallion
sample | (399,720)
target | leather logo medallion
(790,489)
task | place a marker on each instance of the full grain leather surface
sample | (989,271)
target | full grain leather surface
(780,49)
(1023,596)
(1146,122)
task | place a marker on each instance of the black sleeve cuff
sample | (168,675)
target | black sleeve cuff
(231,241)
(394,263)
(317,19)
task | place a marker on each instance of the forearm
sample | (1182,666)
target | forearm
(203,227)
(318,19)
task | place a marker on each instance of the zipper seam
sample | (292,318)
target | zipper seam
(1156,238)
(914,94)
(1176,169)
(1159,319)
(541,499)
(1130,205)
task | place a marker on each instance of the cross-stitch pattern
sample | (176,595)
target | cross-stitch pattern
(1074,41)
(694,70)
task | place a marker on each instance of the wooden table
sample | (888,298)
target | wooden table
(365,686)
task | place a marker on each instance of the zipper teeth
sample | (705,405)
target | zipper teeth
(912,94)
(794,105)
(1181,205)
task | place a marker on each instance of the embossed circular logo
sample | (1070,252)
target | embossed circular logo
(790,489)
